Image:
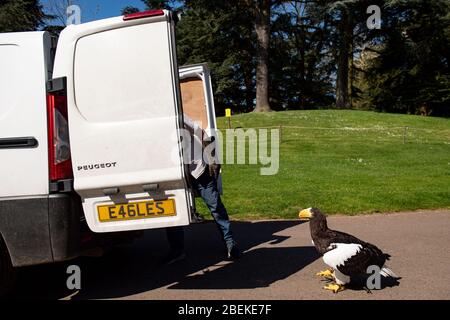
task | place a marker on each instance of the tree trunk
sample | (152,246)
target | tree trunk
(351,76)
(262,28)
(248,82)
(302,70)
(342,92)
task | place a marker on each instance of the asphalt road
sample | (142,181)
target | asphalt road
(279,263)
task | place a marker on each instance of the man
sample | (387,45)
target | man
(204,172)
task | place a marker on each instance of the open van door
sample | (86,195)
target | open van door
(198,102)
(124,118)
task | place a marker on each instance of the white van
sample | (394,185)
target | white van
(90,147)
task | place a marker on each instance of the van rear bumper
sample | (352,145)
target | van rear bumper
(41,230)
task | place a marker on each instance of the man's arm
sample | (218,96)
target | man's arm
(191,125)
(195,129)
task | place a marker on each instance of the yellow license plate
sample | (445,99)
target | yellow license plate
(137,210)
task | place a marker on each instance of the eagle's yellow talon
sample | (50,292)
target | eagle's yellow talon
(326,274)
(334,287)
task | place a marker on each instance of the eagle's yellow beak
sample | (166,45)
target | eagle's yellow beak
(305,214)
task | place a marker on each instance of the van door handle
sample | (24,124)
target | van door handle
(111,191)
(18,143)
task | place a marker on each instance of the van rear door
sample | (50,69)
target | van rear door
(124,114)
(198,102)
(25,64)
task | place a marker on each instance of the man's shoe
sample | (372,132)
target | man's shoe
(234,252)
(174,256)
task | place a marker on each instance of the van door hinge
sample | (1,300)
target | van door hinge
(62,186)
(57,84)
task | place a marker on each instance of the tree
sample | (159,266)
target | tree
(345,16)
(224,35)
(129,10)
(345,30)
(319,53)
(260,14)
(160,4)
(220,34)
(262,11)
(58,9)
(300,59)
(151,5)
(21,15)
(64,12)
(410,69)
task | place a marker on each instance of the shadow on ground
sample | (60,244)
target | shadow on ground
(135,269)
(385,282)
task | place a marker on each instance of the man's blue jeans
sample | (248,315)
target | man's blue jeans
(207,188)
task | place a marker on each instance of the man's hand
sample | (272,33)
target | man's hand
(214,170)
(206,140)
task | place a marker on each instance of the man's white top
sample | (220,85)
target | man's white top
(194,148)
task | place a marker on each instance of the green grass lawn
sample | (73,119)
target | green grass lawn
(346,162)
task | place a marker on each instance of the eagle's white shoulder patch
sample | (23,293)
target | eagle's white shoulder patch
(339,253)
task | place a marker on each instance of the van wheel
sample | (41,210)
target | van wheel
(7,271)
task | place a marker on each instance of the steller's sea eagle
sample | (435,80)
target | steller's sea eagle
(347,256)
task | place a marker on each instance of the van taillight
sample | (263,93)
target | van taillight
(143,14)
(60,165)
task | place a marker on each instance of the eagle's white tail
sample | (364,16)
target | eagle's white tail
(386,272)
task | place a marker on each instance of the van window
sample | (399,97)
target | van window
(124,74)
